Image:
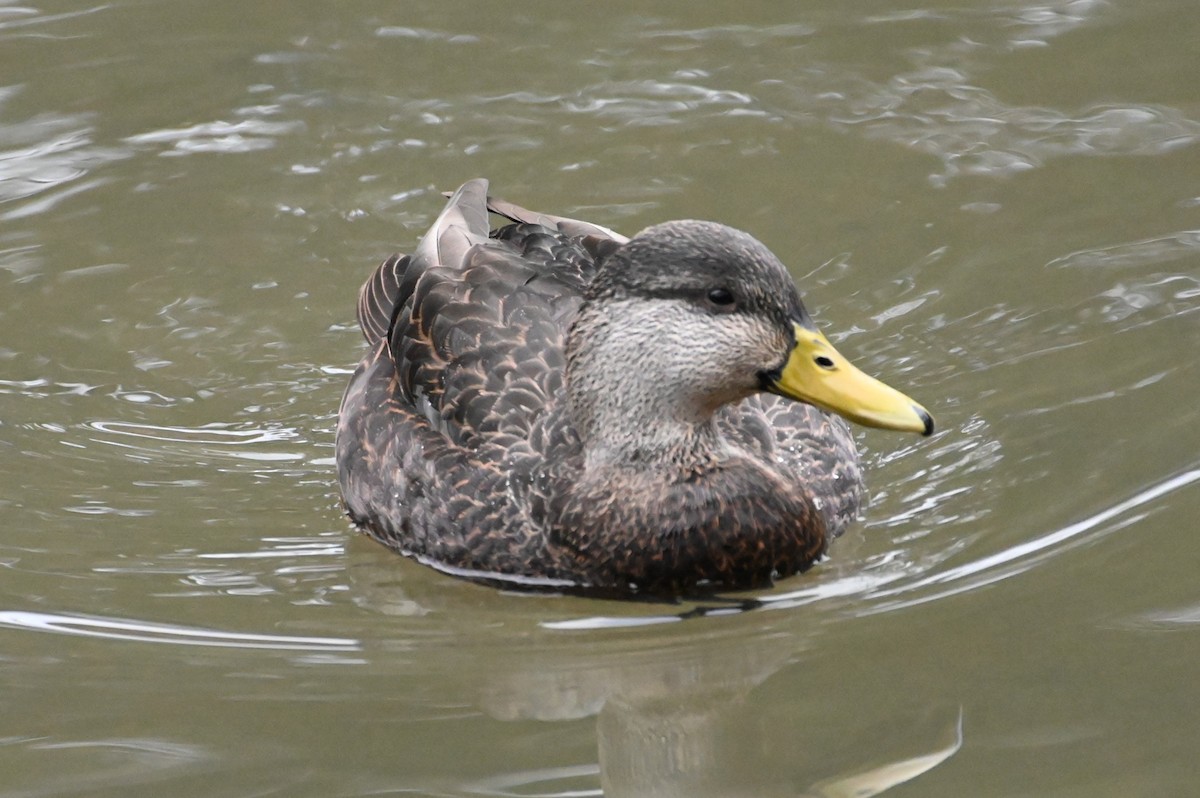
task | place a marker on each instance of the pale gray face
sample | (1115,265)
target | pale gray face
(683,355)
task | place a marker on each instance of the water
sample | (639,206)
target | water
(995,206)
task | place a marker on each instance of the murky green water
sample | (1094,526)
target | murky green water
(993,204)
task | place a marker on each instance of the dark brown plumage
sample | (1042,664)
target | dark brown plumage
(519,417)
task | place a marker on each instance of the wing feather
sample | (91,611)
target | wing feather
(476,322)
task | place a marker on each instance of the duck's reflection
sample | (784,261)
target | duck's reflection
(674,703)
(678,726)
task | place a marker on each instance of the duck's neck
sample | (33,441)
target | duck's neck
(635,406)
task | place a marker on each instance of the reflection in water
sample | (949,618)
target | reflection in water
(884,777)
(671,723)
(673,709)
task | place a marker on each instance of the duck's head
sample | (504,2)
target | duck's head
(688,316)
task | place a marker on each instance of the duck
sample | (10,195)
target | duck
(553,406)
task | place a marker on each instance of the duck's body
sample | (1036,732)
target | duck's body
(558,406)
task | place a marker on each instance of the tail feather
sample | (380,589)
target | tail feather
(461,225)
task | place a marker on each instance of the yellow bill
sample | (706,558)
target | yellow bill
(815,373)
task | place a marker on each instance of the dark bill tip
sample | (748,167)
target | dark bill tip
(926,418)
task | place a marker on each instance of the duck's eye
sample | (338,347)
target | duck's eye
(721,297)
(823,361)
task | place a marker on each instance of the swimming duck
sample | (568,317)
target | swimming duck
(556,406)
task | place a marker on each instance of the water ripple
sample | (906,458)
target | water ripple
(46,157)
(742,35)
(553,782)
(424,34)
(219,438)
(95,766)
(247,135)
(938,106)
(1027,554)
(1173,619)
(1132,254)
(22,18)
(147,632)
(973,132)
(637,102)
